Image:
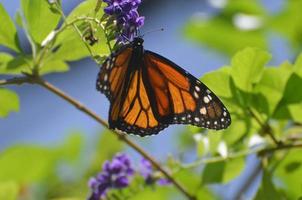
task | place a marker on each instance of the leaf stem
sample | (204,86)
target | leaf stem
(265,127)
(262,151)
(75,27)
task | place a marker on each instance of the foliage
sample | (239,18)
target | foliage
(246,23)
(264,101)
(9,102)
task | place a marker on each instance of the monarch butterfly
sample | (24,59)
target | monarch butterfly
(148,92)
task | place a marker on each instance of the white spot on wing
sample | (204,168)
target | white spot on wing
(107,65)
(105,77)
(203,111)
(206,99)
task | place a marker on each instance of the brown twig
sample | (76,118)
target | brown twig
(38,80)
(15,81)
(280,147)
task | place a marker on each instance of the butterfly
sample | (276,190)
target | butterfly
(148,92)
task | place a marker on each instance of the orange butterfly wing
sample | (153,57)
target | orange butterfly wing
(111,77)
(130,107)
(181,98)
(155,94)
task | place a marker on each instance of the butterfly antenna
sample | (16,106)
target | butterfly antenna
(152,31)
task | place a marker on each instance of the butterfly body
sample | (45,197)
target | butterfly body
(148,92)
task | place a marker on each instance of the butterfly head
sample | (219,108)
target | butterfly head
(138,41)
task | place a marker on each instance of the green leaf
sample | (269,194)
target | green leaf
(37,163)
(53,66)
(72,147)
(68,198)
(8,31)
(219,81)
(107,137)
(9,190)
(222,171)
(213,173)
(290,107)
(189,178)
(288,172)
(221,31)
(288,22)
(98,6)
(295,111)
(235,131)
(267,189)
(214,140)
(202,146)
(203,193)
(290,93)
(70,45)
(248,7)
(9,102)
(18,19)
(298,65)
(105,151)
(14,65)
(160,193)
(5,58)
(233,169)
(86,8)
(271,88)
(40,19)
(247,67)
(222,35)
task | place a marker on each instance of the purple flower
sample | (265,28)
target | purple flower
(121,182)
(115,174)
(127,17)
(163,181)
(146,168)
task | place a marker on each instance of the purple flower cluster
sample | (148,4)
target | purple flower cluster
(115,174)
(126,15)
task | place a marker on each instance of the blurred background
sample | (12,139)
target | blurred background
(199,35)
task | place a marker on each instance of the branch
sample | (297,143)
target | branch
(121,136)
(15,81)
(266,127)
(220,158)
(280,147)
(259,151)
